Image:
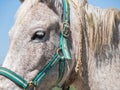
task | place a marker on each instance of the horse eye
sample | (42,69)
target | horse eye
(38,36)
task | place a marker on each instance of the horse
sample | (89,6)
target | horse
(93,42)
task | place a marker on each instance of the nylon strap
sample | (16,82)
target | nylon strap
(37,80)
(63,39)
(13,77)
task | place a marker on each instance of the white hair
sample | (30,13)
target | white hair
(24,8)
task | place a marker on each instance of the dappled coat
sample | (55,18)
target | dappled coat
(94,44)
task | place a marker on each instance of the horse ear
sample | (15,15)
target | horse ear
(21,1)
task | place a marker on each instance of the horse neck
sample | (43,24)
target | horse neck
(77,26)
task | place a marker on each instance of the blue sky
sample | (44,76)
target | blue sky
(8,10)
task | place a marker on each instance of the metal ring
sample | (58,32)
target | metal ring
(60,53)
(59,50)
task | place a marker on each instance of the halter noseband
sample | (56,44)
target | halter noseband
(62,54)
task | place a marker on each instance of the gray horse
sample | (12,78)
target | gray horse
(94,45)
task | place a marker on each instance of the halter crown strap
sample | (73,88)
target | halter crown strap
(57,58)
(66,30)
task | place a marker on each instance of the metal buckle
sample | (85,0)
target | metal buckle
(66,31)
(31,86)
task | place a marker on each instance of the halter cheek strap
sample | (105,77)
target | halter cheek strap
(61,55)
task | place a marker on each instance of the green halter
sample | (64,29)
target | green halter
(61,55)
